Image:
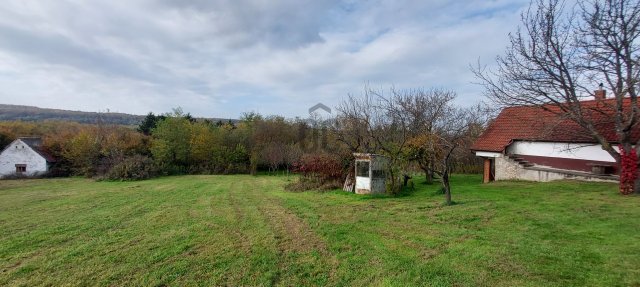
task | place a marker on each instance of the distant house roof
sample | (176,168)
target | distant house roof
(35,143)
(534,123)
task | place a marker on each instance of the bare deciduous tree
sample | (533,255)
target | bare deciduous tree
(273,155)
(354,121)
(407,126)
(426,110)
(292,154)
(454,130)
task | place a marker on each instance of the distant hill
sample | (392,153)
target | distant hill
(29,113)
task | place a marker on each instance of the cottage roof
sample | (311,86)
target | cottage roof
(534,123)
(367,156)
(31,141)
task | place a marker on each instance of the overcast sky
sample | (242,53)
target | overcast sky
(222,58)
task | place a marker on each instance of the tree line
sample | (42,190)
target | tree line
(415,129)
(176,143)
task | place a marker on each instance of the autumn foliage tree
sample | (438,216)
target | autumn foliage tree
(171,145)
(83,151)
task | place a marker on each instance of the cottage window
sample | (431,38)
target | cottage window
(363,168)
(378,173)
(20,168)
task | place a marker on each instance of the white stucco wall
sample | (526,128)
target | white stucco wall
(20,153)
(560,150)
(362,184)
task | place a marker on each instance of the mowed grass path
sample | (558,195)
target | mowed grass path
(243,230)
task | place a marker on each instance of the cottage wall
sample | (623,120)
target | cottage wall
(363,185)
(592,152)
(378,179)
(20,153)
(507,169)
(378,185)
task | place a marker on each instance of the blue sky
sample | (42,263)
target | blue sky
(223,58)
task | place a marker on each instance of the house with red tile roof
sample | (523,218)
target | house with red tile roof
(537,143)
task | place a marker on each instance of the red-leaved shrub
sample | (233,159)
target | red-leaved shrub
(322,166)
(628,170)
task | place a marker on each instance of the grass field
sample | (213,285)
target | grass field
(243,230)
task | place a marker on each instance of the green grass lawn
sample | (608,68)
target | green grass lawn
(243,230)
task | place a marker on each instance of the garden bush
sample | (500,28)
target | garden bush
(136,167)
(320,171)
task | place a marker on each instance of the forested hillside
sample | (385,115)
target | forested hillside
(32,114)
(29,113)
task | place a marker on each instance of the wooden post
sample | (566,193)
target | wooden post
(487,171)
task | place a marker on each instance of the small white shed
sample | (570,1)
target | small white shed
(370,171)
(25,157)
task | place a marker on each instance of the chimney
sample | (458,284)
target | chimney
(600,93)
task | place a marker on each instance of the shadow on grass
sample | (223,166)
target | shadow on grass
(406,192)
(420,188)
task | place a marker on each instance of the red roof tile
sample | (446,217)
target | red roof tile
(536,124)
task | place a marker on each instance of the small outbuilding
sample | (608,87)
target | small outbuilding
(24,157)
(370,173)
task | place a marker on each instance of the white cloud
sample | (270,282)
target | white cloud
(220,58)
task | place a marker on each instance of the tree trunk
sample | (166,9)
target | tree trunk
(430,172)
(395,181)
(446,186)
(445,176)
(406,179)
(392,177)
(428,175)
(393,185)
(253,163)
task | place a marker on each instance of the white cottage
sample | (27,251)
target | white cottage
(370,173)
(25,157)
